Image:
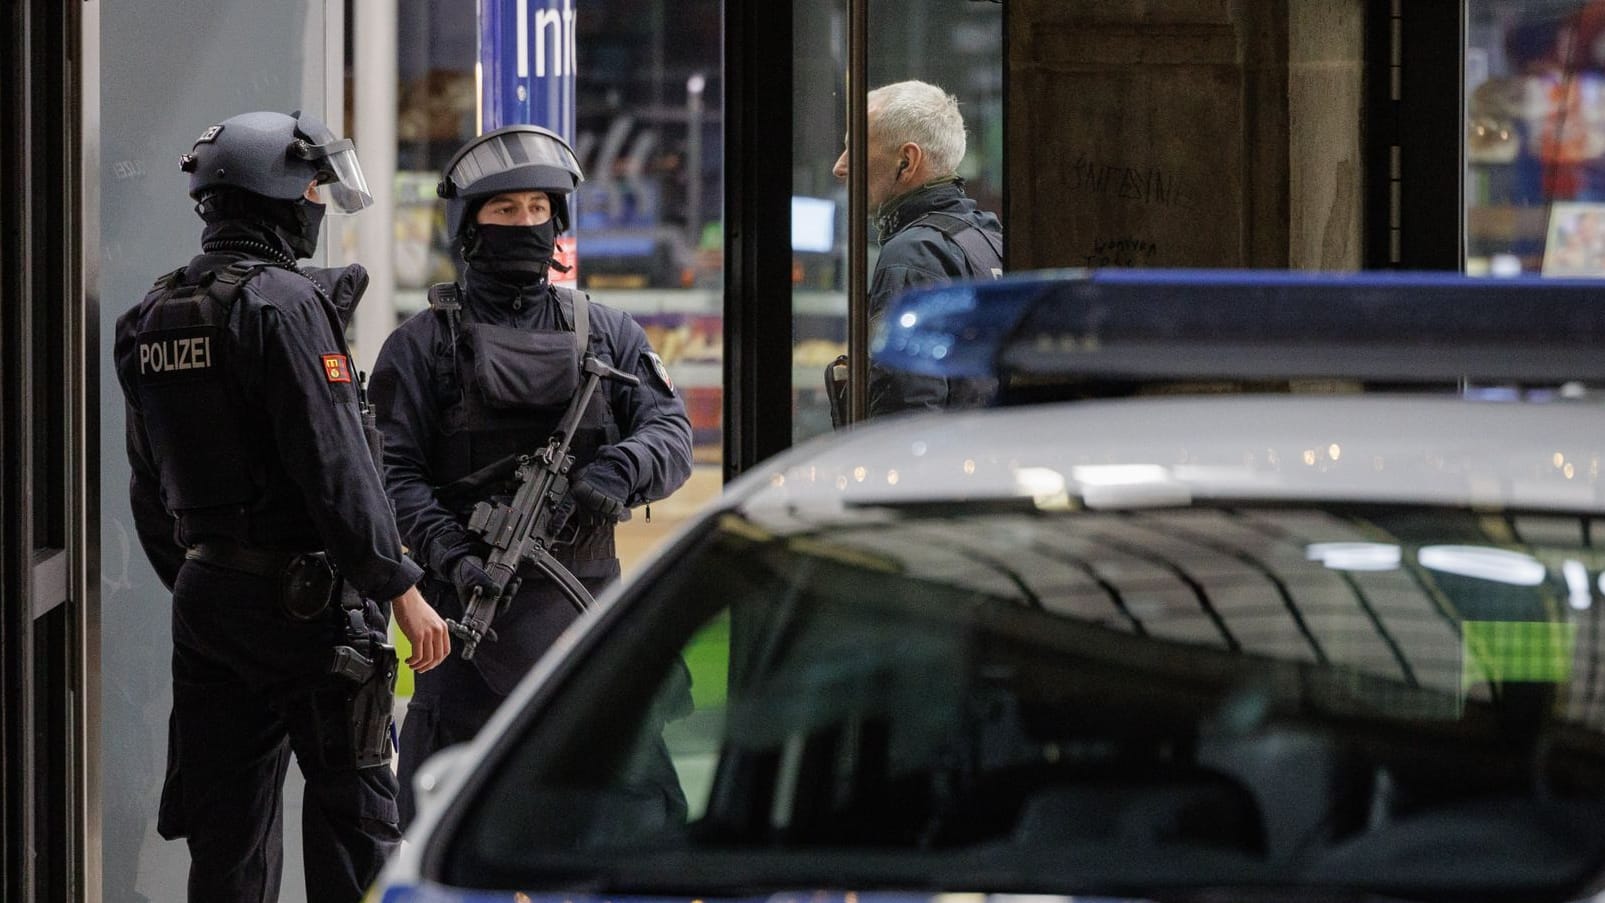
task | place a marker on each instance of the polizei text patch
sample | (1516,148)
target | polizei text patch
(175,352)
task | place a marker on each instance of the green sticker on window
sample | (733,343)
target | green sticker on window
(1516,652)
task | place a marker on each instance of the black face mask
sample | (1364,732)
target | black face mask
(295,222)
(516,254)
(303,236)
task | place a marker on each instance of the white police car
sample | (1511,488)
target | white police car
(1304,602)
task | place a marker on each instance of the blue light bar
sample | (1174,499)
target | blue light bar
(1229,324)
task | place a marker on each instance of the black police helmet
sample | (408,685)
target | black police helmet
(276,156)
(512,158)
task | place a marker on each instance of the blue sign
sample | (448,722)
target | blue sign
(526,60)
(526,72)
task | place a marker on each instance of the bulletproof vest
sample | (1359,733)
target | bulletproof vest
(204,457)
(506,390)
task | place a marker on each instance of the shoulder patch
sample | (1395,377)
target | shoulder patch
(336,369)
(659,370)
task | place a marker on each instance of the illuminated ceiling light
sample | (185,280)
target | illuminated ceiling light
(969,465)
(892,477)
(1354,556)
(1045,486)
(1577,594)
(1482,563)
(1334,451)
(1309,456)
(1118,474)
(1129,485)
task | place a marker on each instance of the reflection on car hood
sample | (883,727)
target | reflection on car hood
(1132,453)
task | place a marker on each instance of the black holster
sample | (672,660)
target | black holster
(372,710)
(352,715)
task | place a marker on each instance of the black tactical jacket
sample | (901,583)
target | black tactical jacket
(286,422)
(414,367)
(917,253)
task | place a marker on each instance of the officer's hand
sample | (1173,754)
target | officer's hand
(603,488)
(469,574)
(423,628)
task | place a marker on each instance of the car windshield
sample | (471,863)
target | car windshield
(1387,698)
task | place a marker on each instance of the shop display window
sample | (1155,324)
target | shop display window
(1535,137)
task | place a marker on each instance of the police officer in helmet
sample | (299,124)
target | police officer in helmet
(256,497)
(483,376)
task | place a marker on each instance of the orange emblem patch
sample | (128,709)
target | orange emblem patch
(336,368)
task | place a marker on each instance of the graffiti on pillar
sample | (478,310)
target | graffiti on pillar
(1122,252)
(1143,185)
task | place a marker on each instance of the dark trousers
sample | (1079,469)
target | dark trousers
(454,700)
(249,688)
(449,705)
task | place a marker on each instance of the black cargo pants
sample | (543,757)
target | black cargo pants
(245,676)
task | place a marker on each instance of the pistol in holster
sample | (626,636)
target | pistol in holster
(370,701)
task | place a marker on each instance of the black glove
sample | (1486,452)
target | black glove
(603,488)
(469,574)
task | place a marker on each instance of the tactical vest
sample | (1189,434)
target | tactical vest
(209,464)
(214,460)
(503,392)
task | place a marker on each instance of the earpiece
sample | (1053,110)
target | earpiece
(901,165)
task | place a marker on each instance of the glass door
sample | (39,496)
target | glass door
(955,45)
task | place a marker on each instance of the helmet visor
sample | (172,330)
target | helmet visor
(336,160)
(514,150)
(348,190)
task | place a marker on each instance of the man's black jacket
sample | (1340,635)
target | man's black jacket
(915,252)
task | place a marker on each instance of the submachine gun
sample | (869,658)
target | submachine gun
(522,530)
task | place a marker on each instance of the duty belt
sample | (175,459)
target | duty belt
(257,561)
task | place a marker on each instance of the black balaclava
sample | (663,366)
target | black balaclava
(308,222)
(297,221)
(518,255)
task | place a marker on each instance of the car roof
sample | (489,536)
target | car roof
(1432,450)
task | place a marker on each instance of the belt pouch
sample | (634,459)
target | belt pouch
(308,587)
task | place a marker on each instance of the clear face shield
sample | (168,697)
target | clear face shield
(340,181)
(508,152)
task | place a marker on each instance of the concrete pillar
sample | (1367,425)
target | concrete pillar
(1200,133)
(1325,90)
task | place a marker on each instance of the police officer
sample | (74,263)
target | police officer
(483,376)
(257,501)
(930,231)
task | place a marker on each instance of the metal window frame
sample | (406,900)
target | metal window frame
(759,73)
(1414,120)
(49,599)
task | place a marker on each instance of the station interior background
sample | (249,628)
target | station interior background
(1314,134)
